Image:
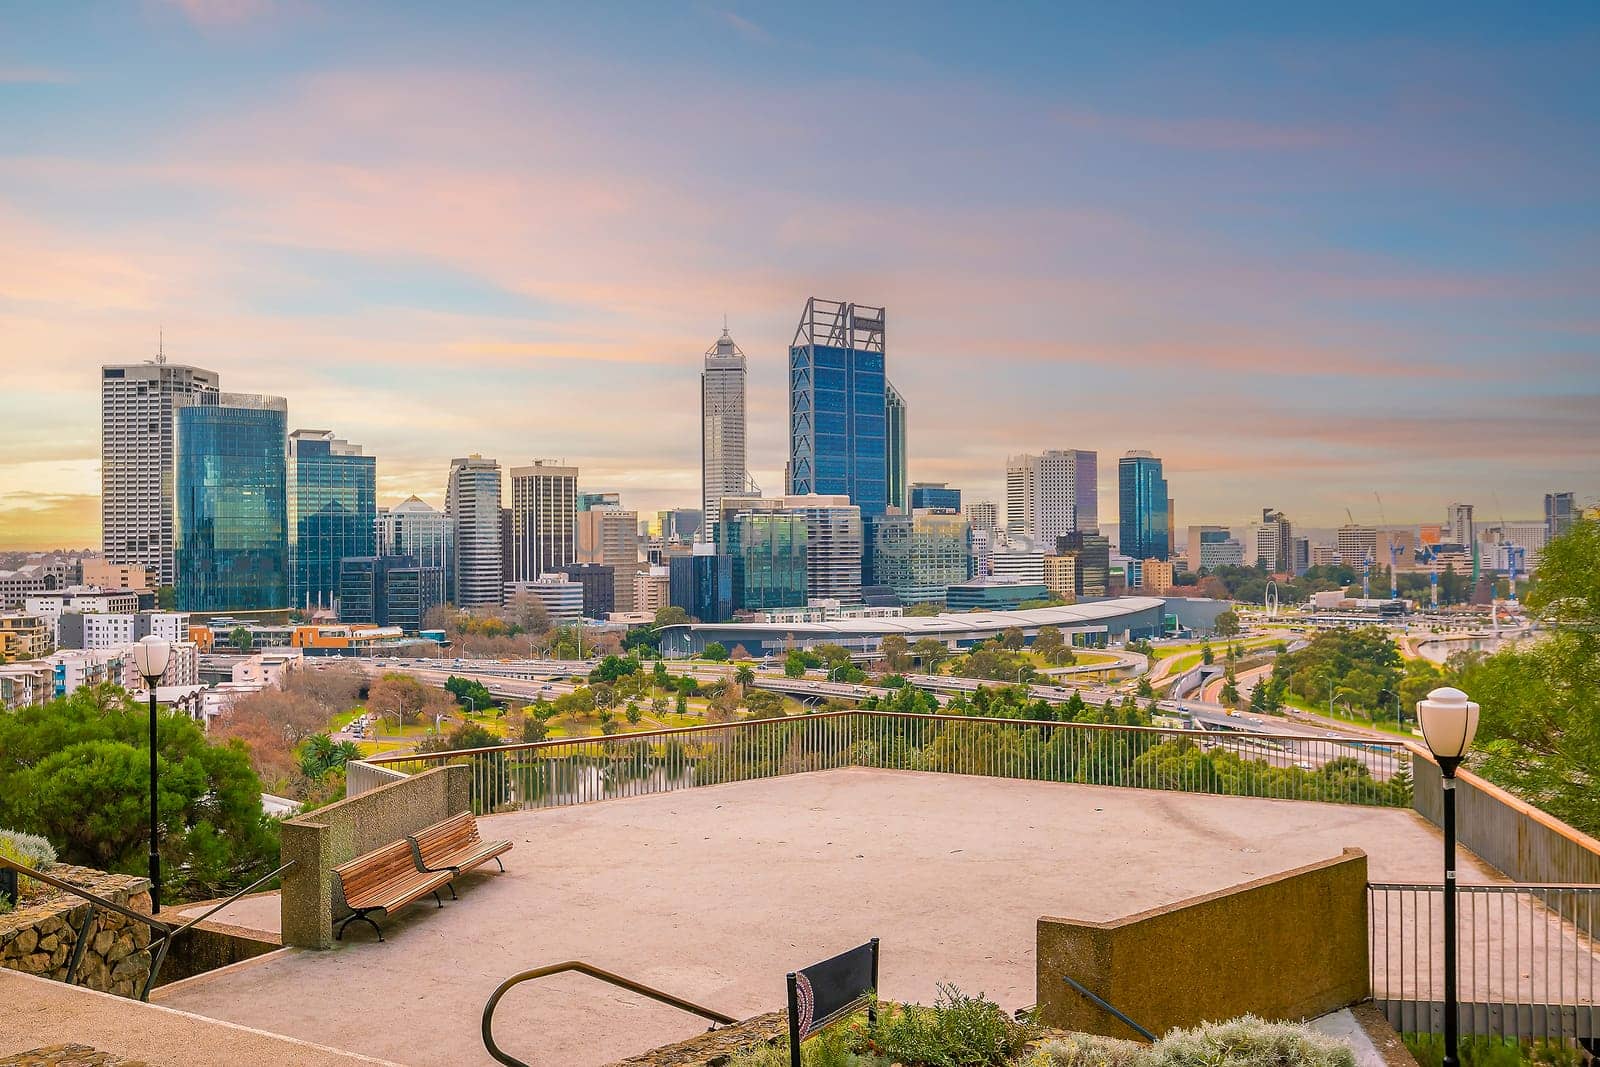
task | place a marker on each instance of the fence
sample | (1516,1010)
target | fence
(559,773)
(1526,965)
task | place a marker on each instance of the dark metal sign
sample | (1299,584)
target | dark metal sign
(826,992)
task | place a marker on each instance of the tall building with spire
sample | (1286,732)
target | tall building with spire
(723,470)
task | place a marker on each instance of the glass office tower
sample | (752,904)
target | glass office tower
(332,495)
(231,513)
(768,550)
(1142,496)
(838,406)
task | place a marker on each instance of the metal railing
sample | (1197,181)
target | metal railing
(162,933)
(565,772)
(487,1026)
(1526,965)
(1106,1006)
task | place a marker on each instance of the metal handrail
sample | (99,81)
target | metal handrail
(593,972)
(1107,1007)
(165,932)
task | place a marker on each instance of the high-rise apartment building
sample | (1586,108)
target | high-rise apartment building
(1458,525)
(610,535)
(231,518)
(333,503)
(838,405)
(723,470)
(1275,542)
(472,502)
(1052,494)
(896,456)
(1560,509)
(983,515)
(938,496)
(543,509)
(138,402)
(414,528)
(1144,528)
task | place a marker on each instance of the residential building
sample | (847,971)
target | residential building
(993,594)
(543,507)
(701,583)
(388,591)
(722,429)
(835,546)
(1324,556)
(332,493)
(1155,575)
(183,669)
(138,459)
(415,528)
(1091,554)
(1274,542)
(896,456)
(1560,509)
(472,501)
(73,668)
(231,520)
(599,582)
(935,496)
(22,685)
(17,585)
(1017,565)
(838,405)
(1357,545)
(52,606)
(562,599)
(652,589)
(980,542)
(609,535)
(983,515)
(919,555)
(24,637)
(1052,494)
(107,575)
(767,550)
(94,629)
(1061,577)
(1144,529)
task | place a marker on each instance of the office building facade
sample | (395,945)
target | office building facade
(701,583)
(722,429)
(231,517)
(415,528)
(1091,554)
(896,456)
(936,496)
(1357,545)
(1144,530)
(767,550)
(1052,494)
(610,535)
(543,509)
(472,503)
(1274,542)
(332,493)
(138,442)
(1560,511)
(1061,577)
(918,556)
(599,582)
(388,591)
(838,405)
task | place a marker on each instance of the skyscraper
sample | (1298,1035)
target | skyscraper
(768,550)
(1559,511)
(722,429)
(895,448)
(137,459)
(838,406)
(919,555)
(1052,494)
(472,501)
(332,499)
(1275,542)
(1143,530)
(610,535)
(231,524)
(543,506)
(414,528)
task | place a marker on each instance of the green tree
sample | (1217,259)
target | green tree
(1049,643)
(924,611)
(745,676)
(469,692)
(1206,655)
(1012,639)
(794,664)
(239,637)
(682,704)
(716,652)
(930,652)
(671,615)
(896,652)
(1227,624)
(633,713)
(166,598)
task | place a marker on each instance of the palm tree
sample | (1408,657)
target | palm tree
(745,677)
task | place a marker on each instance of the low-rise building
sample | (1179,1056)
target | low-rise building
(103,573)
(993,594)
(88,629)
(831,611)
(1155,576)
(651,590)
(562,599)
(24,636)
(83,599)
(1061,577)
(25,684)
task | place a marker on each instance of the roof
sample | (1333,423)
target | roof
(1087,614)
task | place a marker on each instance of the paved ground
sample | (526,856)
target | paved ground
(715,893)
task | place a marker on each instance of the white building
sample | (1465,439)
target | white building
(652,590)
(109,630)
(722,431)
(183,668)
(1052,494)
(415,528)
(1018,566)
(830,611)
(1356,544)
(472,501)
(562,598)
(835,544)
(267,669)
(137,471)
(982,544)
(81,599)
(544,500)
(1459,527)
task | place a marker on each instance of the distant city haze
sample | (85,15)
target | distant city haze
(1300,258)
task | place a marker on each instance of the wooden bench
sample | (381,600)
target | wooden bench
(385,879)
(454,846)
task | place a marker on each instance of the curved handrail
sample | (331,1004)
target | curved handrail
(593,972)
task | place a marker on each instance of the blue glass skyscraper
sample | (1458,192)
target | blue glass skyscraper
(231,516)
(332,498)
(838,406)
(1143,519)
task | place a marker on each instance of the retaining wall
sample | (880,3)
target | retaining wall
(38,938)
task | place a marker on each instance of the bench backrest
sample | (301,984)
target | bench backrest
(451,835)
(376,867)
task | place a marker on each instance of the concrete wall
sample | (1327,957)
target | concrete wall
(1288,946)
(323,839)
(208,945)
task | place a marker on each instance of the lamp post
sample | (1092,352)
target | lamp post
(150,656)
(1448,722)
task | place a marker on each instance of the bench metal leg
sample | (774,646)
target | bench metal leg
(502,866)
(364,917)
(452,887)
(436,898)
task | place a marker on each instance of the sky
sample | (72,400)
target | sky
(1306,257)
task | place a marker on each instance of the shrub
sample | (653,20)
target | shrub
(30,850)
(1243,1042)
(958,1031)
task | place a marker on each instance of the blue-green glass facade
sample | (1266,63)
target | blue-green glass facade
(839,406)
(768,551)
(332,495)
(231,514)
(1142,496)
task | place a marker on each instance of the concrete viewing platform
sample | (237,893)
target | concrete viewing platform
(714,893)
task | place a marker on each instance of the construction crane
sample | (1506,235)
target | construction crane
(1394,551)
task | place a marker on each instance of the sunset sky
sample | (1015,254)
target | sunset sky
(1300,258)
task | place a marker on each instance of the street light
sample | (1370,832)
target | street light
(150,656)
(1448,721)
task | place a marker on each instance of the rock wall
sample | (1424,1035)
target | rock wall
(38,937)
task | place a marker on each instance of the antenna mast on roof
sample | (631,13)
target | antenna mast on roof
(161,344)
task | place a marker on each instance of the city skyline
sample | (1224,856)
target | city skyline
(1390,290)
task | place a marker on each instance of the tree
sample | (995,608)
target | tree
(716,652)
(682,704)
(611,668)
(794,664)
(930,652)
(924,611)
(671,615)
(745,676)
(1011,638)
(1227,624)
(1206,655)
(1230,693)
(1145,689)
(764,705)
(239,637)
(896,652)
(469,692)
(1048,642)
(633,713)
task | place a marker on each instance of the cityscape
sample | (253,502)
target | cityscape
(549,590)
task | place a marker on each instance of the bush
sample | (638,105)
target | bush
(958,1031)
(1243,1042)
(30,850)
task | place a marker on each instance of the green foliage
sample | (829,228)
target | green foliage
(958,1031)
(671,616)
(1242,1042)
(643,640)
(467,735)
(1476,1051)
(77,771)
(30,850)
(239,637)
(469,692)
(1355,665)
(1227,624)
(716,652)
(320,755)
(796,663)
(924,611)
(614,667)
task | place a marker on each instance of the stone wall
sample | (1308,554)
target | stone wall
(38,937)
